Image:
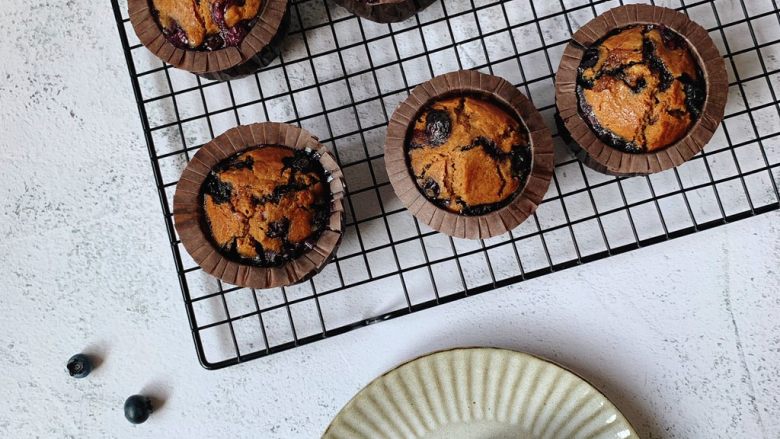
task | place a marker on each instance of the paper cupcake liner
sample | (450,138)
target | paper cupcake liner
(188,211)
(465,82)
(258,48)
(606,159)
(384,11)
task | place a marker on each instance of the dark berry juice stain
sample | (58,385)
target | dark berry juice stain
(278,229)
(219,190)
(672,39)
(656,64)
(590,58)
(695,95)
(694,89)
(302,162)
(481,209)
(521,162)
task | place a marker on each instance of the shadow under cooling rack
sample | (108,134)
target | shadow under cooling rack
(341,78)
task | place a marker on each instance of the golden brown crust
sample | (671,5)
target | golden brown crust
(636,88)
(468,155)
(196,18)
(186,15)
(678,60)
(236,13)
(265,204)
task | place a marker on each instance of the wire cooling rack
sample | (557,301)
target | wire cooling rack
(341,78)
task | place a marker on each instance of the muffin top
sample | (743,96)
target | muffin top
(640,88)
(267,205)
(205,24)
(468,155)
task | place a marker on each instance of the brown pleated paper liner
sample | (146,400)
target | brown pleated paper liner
(606,159)
(384,11)
(260,46)
(468,82)
(188,212)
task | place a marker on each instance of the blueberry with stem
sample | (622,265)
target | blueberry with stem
(138,408)
(79,366)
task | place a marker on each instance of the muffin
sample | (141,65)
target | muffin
(267,205)
(261,206)
(469,155)
(384,11)
(216,39)
(640,89)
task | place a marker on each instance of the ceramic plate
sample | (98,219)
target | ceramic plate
(479,393)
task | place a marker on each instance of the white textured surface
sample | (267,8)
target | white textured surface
(683,336)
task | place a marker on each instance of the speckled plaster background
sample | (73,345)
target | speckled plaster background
(683,336)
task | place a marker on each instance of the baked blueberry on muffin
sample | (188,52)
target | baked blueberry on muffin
(468,155)
(205,24)
(267,205)
(640,88)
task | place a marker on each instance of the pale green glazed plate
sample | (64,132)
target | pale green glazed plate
(480,393)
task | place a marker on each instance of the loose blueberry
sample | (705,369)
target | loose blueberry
(437,126)
(79,366)
(138,408)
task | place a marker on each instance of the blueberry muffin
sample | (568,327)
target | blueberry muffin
(468,155)
(216,39)
(640,88)
(267,205)
(261,206)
